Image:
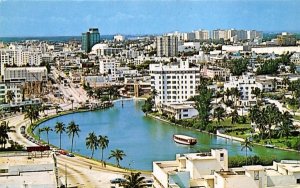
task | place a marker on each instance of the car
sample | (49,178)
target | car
(70,155)
(148,183)
(117,180)
(62,152)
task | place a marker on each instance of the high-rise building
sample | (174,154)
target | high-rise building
(89,39)
(286,39)
(167,46)
(174,83)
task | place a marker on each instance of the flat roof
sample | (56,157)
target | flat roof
(254,167)
(23,160)
(40,179)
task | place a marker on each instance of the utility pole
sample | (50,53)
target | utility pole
(66,178)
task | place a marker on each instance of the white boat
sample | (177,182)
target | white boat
(269,145)
(183,139)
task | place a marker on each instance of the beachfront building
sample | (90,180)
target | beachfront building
(190,170)
(175,82)
(167,46)
(102,50)
(89,39)
(119,38)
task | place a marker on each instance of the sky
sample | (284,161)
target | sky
(72,17)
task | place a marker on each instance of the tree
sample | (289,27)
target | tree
(256,92)
(227,93)
(72,101)
(10,95)
(272,115)
(203,104)
(236,93)
(47,129)
(57,107)
(134,180)
(32,112)
(103,144)
(118,155)
(234,116)
(60,128)
(72,130)
(247,144)
(286,125)
(90,93)
(219,113)
(253,113)
(147,106)
(286,81)
(91,142)
(4,130)
(153,95)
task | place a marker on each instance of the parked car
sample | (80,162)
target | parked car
(148,183)
(70,155)
(117,180)
(62,152)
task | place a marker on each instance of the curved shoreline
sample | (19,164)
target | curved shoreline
(228,137)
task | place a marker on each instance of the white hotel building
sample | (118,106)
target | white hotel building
(107,66)
(174,83)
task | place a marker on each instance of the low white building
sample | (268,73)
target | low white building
(213,71)
(210,170)
(180,111)
(28,172)
(119,38)
(245,84)
(190,170)
(28,74)
(295,58)
(277,50)
(102,50)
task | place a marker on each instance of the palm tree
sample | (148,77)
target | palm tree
(118,155)
(247,144)
(286,81)
(32,112)
(57,107)
(219,113)
(253,113)
(236,93)
(227,93)
(90,93)
(272,115)
(72,101)
(256,92)
(10,95)
(72,130)
(4,130)
(60,128)
(153,95)
(103,144)
(234,116)
(286,125)
(134,180)
(47,129)
(91,142)
(39,132)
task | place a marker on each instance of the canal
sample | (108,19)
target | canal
(143,139)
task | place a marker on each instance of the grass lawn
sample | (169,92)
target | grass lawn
(280,142)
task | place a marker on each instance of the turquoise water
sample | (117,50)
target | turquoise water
(143,139)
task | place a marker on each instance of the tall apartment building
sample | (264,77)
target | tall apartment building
(174,83)
(89,39)
(202,35)
(219,34)
(20,57)
(167,46)
(286,39)
(252,34)
(108,67)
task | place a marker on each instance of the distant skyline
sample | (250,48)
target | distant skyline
(20,18)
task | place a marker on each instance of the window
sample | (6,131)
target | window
(221,156)
(298,181)
(256,175)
